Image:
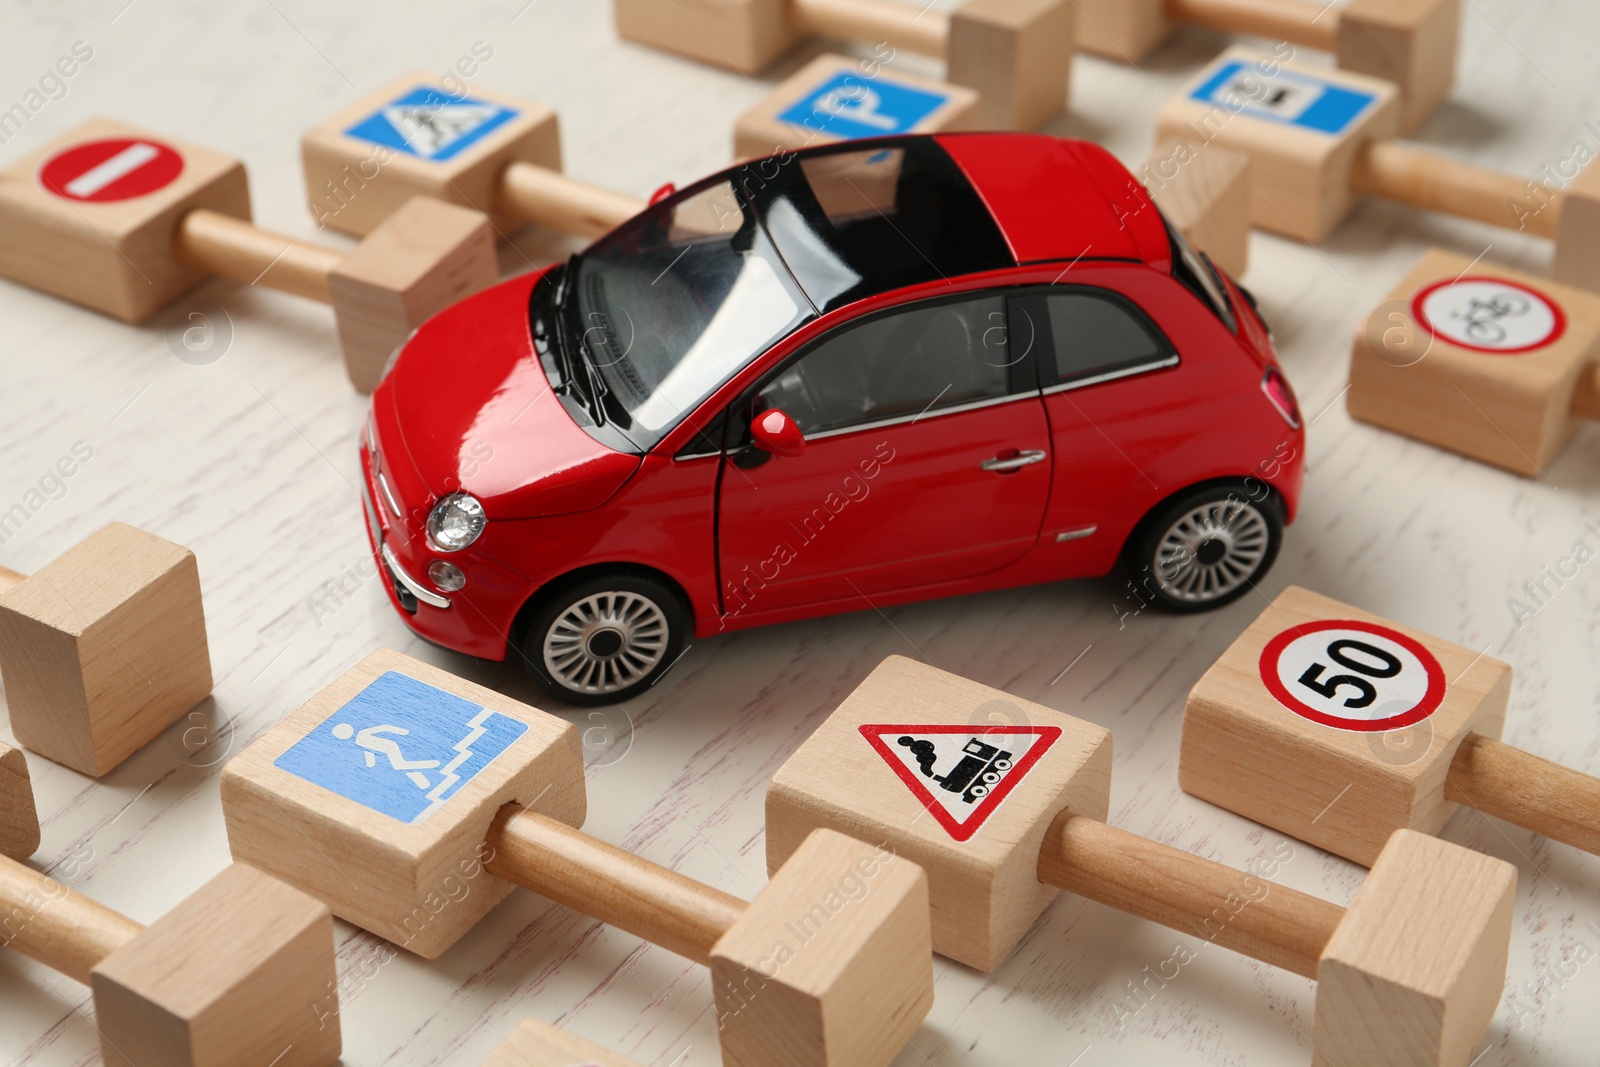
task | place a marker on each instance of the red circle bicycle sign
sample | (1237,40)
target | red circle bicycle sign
(1352,675)
(1489,315)
(118,168)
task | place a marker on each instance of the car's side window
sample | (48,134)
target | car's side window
(1096,334)
(919,359)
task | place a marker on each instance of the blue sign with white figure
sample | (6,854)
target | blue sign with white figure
(1287,96)
(432,124)
(851,105)
(402,747)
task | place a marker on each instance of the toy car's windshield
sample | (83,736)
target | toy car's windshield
(671,304)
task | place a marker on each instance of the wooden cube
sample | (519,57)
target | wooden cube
(1206,194)
(978,840)
(535,1043)
(1476,359)
(1122,30)
(239,975)
(90,217)
(104,648)
(741,35)
(19,818)
(832,963)
(417,262)
(1300,126)
(1414,972)
(376,796)
(415,138)
(1412,43)
(833,98)
(1577,260)
(1017,55)
(1336,726)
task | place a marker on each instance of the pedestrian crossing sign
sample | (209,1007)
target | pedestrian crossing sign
(431,124)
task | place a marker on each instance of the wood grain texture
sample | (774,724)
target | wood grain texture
(1223,906)
(609,884)
(745,36)
(1431,182)
(535,1043)
(1017,55)
(1206,195)
(875,20)
(1519,787)
(1414,43)
(65,931)
(546,197)
(19,817)
(234,248)
(1296,21)
(104,648)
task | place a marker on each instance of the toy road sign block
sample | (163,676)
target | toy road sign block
(1336,726)
(833,99)
(117,168)
(1484,362)
(978,841)
(429,123)
(960,774)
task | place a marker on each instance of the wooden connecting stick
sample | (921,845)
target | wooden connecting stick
(125,222)
(1016,54)
(1003,802)
(1339,727)
(535,1043)
(415,836)
(104,648)
(1412,43)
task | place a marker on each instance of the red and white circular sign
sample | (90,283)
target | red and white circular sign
(118,168)
(1489,315)
(1352,675)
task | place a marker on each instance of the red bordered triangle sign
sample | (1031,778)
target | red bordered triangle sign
(960,774)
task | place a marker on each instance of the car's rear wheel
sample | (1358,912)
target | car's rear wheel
(1205,548)
(604,638)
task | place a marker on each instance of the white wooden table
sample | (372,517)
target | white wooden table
(251,461)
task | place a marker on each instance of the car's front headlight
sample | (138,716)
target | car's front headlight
(455,522)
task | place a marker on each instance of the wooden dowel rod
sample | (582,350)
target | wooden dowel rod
(1519,787)
(606,883)
(1294,21)
(1586,397)
(1262,920)
(549,198)
(914,28)
(10,579)
(1429,181)
(239,250)
(47,922)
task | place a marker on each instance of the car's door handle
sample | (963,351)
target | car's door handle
(1011,463)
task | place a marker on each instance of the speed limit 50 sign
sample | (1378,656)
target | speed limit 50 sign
(1353,675)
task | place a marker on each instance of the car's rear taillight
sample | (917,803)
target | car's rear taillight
(1277,388)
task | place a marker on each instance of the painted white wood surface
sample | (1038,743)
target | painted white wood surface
(251,462)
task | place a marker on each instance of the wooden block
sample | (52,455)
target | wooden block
(239,975)
(376,796)
(832,98)
(104,648)
(417,262)
(1122,30)
(19,818)
(1414,973)
(1341,772)
(535,1043)
(1412,43)
(1577,259)
(831,964)
(741,35)
(1477,359)
(1017,54)
(1301,127)
(979,841)
(1206,194)
(90,216)
(412,138)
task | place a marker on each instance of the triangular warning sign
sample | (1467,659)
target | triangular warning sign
(429,128)
(960,774)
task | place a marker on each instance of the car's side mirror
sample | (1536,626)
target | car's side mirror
(774,432)
(662,193)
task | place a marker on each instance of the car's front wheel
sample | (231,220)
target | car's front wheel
(605,637)
(1205,548)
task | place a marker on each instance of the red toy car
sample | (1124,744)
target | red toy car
(851,376)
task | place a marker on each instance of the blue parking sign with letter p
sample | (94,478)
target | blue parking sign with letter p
(850,105)
(402,747)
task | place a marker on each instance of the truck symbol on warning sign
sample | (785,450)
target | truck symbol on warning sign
(973,778)
(960,774)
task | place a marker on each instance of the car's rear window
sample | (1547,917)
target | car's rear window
(852,222)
